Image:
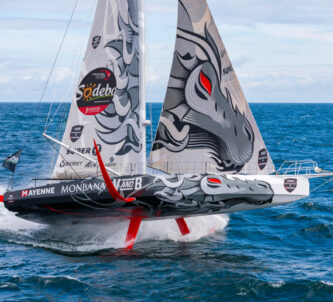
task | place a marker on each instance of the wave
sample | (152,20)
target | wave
(318,230)
(297,290)
(230,285)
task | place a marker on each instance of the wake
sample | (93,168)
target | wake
(90,238)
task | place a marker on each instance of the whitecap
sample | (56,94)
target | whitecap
(329,283)
(243,292)
(277,284)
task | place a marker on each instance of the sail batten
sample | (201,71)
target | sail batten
(108,104)
(206,124)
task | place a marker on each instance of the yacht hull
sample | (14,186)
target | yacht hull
(156,197)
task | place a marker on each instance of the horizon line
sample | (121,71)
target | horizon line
(161,102)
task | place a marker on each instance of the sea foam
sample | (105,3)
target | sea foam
(88,237)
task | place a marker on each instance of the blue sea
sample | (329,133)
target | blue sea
(277,254)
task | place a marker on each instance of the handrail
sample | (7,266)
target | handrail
(298,167)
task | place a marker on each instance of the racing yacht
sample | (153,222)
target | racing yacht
(208,156)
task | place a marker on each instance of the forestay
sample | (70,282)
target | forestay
(107,105)
(206,125)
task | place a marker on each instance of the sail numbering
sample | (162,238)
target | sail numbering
(208,153)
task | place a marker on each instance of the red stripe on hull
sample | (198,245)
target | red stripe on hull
(67,213)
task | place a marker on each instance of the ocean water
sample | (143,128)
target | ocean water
(278,254)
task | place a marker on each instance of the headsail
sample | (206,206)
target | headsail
(107,105)
(206,125)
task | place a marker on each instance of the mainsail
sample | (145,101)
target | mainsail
(108,104)
(206,124)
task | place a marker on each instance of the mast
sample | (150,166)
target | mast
(142,86)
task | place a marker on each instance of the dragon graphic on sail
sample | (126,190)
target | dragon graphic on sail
(206,123)
(121,120)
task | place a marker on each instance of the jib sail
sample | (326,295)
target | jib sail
(206,125)
(108,104)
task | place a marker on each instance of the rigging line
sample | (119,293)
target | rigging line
(52,118)
(59,130)
(67,93)
(62,115)
(79,53)
(77,59)
(50,74)
(51,106)
(56,58)
(55,153)
(315,189)
(62,121)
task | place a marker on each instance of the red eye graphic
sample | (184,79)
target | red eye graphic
(214,180)
(206,83)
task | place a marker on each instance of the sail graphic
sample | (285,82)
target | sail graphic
(107,105)
(206,124)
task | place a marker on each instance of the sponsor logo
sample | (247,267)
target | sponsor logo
(130,184)
(91,165)
(262,159)
(83,187)
(96,91)
(94,165)
(11,198)
(96,41)
(38,192)
(290,184)
(85,150)
(76,133)
(64,164)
